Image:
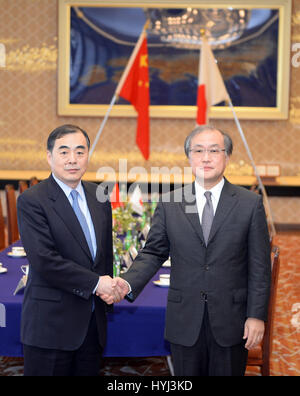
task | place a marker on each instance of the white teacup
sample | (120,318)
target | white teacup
(17,251)
(164,279)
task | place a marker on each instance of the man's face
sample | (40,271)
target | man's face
(208,167)
(69,158)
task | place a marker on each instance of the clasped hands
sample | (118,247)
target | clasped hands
(112,290)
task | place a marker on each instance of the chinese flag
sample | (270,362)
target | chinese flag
(134,87)
(211,87)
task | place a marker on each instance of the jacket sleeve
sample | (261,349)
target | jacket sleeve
(109,255)
(259,264)
(152,256)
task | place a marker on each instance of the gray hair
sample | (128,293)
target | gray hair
(199,129)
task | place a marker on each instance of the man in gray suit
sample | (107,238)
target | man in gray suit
(217,237)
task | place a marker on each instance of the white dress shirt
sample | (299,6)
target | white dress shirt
(201,199)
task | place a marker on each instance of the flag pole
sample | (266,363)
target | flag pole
(113,101)
(228,99)
(260,183)
(118,89)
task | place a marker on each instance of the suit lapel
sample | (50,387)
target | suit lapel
(97,216)
(189,207)
(65,211)
(227,201)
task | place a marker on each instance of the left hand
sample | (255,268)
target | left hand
(253,331)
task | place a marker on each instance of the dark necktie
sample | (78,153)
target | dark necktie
(207,216)
(82,221)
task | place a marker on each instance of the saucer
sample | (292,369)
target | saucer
(10,254)
(158,283)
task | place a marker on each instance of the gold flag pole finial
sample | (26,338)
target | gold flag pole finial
(202,32)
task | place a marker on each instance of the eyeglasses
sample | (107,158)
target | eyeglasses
(200,152)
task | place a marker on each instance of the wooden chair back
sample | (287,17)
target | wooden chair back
(22,186)
(2,229)
(12,221)
(33,181)
(260,356)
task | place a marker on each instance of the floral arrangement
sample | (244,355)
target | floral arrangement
(129,232)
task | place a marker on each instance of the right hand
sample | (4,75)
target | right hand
(112,290)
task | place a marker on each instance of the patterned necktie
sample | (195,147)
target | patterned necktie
(82,221)
(207,216)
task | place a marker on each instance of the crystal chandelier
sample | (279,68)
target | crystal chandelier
(184,27)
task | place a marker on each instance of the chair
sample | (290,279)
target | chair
(260,356)
(33,181)
(22,186)
(2,229)
(12,221)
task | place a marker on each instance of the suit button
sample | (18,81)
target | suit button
(204,296)
(207,268)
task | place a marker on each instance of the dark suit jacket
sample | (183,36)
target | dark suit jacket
(58,297)
(233,270)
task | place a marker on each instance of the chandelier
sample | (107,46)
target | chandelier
(184,28)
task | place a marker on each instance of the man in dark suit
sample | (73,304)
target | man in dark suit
(67,235)
(217,236)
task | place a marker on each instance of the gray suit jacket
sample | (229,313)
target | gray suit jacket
(233,271)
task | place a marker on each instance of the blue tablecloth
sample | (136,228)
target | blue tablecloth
(134,329)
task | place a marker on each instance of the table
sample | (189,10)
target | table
(134,329)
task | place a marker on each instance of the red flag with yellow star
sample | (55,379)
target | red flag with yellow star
(134,87)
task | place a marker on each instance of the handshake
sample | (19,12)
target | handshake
(112,290)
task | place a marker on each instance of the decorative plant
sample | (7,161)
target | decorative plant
(127,230)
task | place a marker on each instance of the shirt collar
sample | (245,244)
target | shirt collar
(67,190)
(215,191)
